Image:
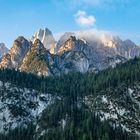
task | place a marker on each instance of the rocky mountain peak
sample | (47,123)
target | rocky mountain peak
(37,44)
(72,38)
(46,37)
(38,60)
(63,38)
(83,51)
(16,54)
(19,44)
(3,49)
(129,43)
(73,44)
(68,45)
(19,49)
(20,39)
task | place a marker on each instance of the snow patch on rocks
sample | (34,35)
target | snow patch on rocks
(19,106)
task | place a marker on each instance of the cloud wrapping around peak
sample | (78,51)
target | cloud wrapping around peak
(84,20)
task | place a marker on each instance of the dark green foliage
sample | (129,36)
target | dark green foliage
(20,133)
(84,84)
(81,123)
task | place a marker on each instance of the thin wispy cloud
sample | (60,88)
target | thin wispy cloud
(105,4)
(100,2)
(92,2)
(84,20)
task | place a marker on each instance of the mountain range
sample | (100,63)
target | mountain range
(85,86)
(103,105)
(85,51)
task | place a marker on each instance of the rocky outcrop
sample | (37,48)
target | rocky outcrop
(46,37)
(80,52)
(3,49)
(105,43)
(16,54)
(63,39)
(73,56)
(39,61)
(86,57)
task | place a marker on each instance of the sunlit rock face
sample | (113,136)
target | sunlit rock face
(46,37)
(105,43)
(87,57)
(16,54)
(63,39)
(81,51)
(39,61)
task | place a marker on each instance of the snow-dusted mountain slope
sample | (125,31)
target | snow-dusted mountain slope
(20,106)
(120,105)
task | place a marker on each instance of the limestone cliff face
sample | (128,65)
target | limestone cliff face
(104,43)
(80,52)
(73,56)
(38,60)
(46,37)
(63,39)
(3,49)
(16,54)
(85,58)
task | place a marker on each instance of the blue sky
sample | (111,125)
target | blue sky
(24,17)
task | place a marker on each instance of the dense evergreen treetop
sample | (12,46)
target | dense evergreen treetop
(88,83)
(81,123)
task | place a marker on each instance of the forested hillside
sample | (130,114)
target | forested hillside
(82,107)
(83,84)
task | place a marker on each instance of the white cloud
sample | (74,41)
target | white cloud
(94,34)
(84,20)
(58,35)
